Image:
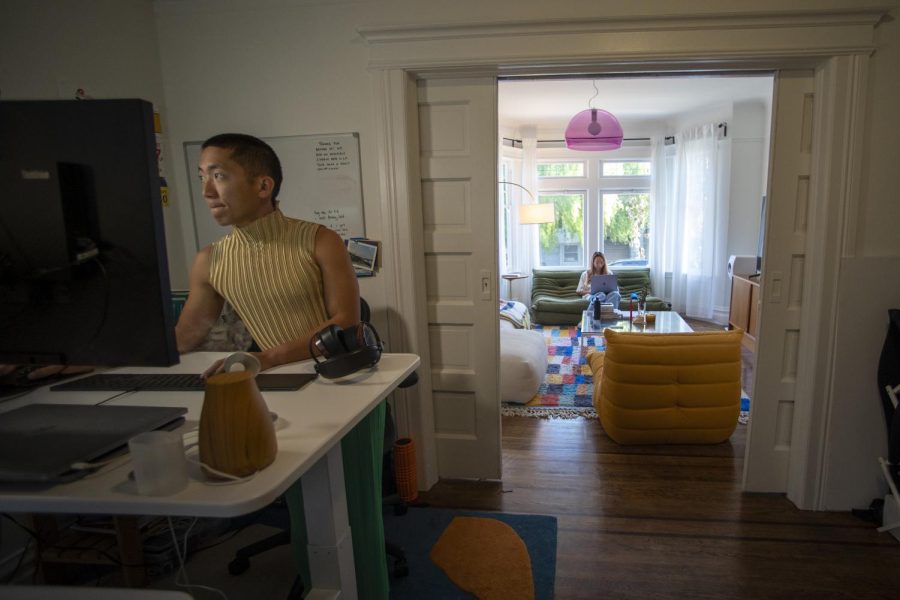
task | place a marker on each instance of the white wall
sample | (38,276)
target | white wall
(48,49)
(870,284)
(269,67)
(747,132)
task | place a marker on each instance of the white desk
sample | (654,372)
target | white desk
(311,423)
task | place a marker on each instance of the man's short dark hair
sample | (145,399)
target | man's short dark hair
(253,154)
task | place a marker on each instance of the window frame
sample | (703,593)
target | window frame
(595,184)
(584,162)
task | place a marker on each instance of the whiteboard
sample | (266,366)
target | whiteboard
(321,184)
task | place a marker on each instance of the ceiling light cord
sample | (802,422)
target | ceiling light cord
(596,93)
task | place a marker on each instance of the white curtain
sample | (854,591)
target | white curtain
(524,238)
(691,221)
(662,228)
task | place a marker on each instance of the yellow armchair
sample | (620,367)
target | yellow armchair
(668,388)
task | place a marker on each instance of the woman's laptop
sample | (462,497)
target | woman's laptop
(603,283)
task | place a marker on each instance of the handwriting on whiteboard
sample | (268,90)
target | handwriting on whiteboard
(334,219)
(331,156)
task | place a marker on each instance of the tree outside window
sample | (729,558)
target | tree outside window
(626,225)
(562,242)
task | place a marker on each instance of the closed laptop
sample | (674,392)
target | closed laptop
(41,442)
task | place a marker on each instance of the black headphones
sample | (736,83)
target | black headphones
(339,352)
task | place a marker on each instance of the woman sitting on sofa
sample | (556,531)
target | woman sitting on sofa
(598,267)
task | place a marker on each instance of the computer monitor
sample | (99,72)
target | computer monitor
(83,271)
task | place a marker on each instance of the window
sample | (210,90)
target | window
(562,242)
(561,169)
(626,225)
(626,168)
(602,202)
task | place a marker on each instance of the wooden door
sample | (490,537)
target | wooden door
(457,144)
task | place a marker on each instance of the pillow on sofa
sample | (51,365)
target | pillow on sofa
(523,363)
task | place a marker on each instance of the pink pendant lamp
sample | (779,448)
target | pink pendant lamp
(594,129)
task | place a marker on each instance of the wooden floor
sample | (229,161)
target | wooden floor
(672,522)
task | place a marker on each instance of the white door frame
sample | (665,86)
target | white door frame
(835,43)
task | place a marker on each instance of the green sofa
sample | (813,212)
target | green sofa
(554,301)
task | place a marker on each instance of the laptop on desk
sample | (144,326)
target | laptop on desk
(39,443)
(604,283)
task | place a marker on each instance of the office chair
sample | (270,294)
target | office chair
(276,515)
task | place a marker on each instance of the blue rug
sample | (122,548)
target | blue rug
(418,530)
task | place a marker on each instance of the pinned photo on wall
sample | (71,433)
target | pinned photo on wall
(364,256)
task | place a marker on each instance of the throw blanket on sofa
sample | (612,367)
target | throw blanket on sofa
(516,313)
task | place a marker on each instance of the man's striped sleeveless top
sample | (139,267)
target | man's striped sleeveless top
(268,273)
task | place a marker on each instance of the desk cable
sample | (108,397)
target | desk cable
(232,479)
(114,396)
(96,466)
(182,556)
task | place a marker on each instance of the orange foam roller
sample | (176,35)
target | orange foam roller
(405,469)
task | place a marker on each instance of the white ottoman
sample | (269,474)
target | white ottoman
(523,363)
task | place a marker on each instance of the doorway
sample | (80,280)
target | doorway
(603,199)
(838,51)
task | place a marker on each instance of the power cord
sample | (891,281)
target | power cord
(12,576)
(96,466)
(232,479)
(182,556)
(84,466)
(114,396)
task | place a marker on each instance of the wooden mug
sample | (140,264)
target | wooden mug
(237,435)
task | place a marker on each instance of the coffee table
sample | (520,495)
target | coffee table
(667,321)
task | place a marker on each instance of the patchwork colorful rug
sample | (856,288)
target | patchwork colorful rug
(567,387)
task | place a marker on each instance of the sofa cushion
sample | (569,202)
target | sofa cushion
(633,280)
(668,388)
(553,297)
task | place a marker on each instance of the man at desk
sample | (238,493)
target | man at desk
(287,279)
